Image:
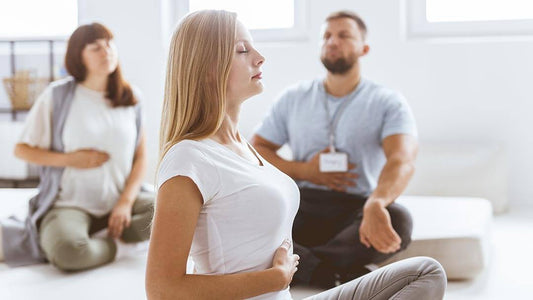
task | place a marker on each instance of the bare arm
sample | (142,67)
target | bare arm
(178,206)
(85,158)
(400,151)
(308,170)
(376,228)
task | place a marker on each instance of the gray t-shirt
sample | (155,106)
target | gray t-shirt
(299,118)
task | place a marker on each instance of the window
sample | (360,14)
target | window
(273,20)
(253,16)
(468,18)
(37,19)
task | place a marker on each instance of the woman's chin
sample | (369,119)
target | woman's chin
(260,87)
(258,91)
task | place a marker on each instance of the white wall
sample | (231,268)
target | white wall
(459,92)
(137,28)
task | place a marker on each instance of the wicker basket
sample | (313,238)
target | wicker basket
(23,89)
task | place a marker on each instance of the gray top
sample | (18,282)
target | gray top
(20,239)
(299,118)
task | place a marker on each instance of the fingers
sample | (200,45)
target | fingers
(338,188)
(100,158)
(284,261)
(387,241)
(346,175)
(393,236)
(382,237)
(283,250)
(89,158)
(286,244)
(342,180)
(339,181)
(296,262)
(111,228)
(116,225)
(364,240)
(390,239)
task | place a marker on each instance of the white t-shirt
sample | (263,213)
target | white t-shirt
(248,209)
(91,123)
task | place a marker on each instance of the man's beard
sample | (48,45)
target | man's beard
(339,66)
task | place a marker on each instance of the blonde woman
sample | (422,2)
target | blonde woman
(223,204)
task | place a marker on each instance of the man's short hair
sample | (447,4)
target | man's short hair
(351,15)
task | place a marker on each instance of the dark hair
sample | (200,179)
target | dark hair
(118,90)
(351,15)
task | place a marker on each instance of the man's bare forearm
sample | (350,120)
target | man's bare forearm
(393,180)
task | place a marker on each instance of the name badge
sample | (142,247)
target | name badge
(333,162)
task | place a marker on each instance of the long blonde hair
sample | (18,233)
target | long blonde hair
(200,56)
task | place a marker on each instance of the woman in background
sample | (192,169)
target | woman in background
(85,132)
(223,204)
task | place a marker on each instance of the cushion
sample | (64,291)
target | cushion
(453,230)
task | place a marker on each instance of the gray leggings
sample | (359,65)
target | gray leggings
(65,235)
(413,278)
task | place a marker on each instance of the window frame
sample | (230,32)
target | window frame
(416,26)
(44,37)
(38,45)
(177,9)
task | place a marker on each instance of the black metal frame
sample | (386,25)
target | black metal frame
(13,68)
(28,181)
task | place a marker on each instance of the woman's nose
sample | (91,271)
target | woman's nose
(260,59)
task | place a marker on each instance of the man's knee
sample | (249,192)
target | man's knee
(402,223)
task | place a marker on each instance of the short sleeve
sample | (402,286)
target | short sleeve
(185,159)
(37,131)
(399,118)
(274,127)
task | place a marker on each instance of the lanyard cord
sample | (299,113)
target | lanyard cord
(332,124)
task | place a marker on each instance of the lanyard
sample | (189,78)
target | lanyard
(332,124)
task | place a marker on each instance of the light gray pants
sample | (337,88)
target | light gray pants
(417,278)
(66,241)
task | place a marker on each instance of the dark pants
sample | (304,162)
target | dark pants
(326,231)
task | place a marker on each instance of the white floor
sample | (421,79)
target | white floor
(508,275)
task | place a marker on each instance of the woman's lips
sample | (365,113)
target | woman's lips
(258,76)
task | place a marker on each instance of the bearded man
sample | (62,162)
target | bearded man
(354,144)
